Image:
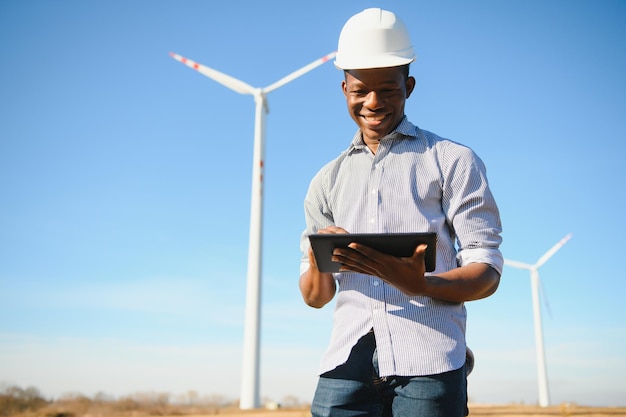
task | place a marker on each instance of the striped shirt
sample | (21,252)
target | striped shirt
(416,182)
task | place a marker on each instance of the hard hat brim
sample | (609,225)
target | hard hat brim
(380,61)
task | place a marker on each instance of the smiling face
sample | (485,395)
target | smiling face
(376,98)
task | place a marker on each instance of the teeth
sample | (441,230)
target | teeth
(374,118)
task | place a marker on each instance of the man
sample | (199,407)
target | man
(398,341)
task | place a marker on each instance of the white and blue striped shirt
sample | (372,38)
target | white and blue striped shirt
(416,182)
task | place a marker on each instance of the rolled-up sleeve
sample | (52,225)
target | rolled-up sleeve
(471,208)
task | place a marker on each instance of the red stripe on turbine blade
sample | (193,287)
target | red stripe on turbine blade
(195,66)
(327,57)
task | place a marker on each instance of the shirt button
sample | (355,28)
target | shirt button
(375,283)
(372,220)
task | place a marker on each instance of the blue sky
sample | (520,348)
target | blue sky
(125,187)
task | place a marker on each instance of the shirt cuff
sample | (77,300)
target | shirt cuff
(491,257)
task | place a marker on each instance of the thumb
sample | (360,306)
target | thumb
(420,251)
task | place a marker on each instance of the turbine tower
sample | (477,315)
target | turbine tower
(542,374)
(251,341)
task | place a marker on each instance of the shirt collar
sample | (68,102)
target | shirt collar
(404,128)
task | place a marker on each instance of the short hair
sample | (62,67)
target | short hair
(404,68)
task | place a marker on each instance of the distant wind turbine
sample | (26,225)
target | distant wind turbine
(250,364)
(544,395)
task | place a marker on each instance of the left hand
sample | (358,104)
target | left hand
(465,283)
(407,274)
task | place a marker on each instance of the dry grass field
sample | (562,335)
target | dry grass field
(19,402)
(475,410)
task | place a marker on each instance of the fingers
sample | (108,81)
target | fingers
(363,259)
(332,230)
(359,258)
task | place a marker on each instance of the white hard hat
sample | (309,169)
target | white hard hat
(374,38)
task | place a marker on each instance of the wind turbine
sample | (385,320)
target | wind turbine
(544,395)
(250,364)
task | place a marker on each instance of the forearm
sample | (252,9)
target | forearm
(317,288)
(470,282)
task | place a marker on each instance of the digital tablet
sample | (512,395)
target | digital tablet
(396,244)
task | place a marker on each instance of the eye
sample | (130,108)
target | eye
(390,91)
(359,93)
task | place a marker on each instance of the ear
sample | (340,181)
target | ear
(409,85)
(344,87)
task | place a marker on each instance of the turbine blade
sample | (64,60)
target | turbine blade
(516,264)
(226,80)
(299,72)
(552,251)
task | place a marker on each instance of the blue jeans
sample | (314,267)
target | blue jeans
(355,389)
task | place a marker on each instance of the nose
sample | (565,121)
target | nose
(373,100)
